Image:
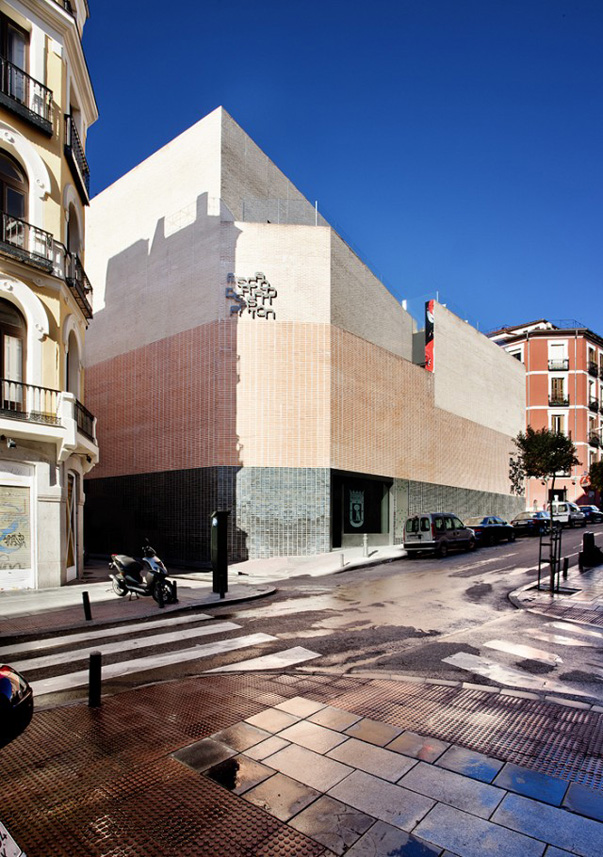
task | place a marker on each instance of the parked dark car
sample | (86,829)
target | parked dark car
(531,523)
(592,514)
(16,704)
(490,529)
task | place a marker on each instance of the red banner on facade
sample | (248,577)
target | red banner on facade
(429,335)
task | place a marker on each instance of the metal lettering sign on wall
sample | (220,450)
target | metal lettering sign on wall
(253,295)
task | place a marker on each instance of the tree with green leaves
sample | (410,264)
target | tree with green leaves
(543,454)
(596,476)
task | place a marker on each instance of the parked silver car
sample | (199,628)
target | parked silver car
(437,532)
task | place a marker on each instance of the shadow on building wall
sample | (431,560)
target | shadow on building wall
(161,380)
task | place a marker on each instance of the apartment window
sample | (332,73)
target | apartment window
(516,352)
(13,188)
(558,360)
(13,45)
(12,355)
(558,391)
(558,423)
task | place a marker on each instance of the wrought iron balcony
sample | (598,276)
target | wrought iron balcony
(84,419)
(26,242)
(594,439)
(78,282)
(594,405)
(74,152)
(25,96)
(558,401)
(593,369)
(33,404)
(559,365)
(28,402)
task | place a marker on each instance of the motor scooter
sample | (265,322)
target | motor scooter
(147,576)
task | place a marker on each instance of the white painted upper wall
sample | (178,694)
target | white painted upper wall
(475,378)
(162,240)
(248,174)
(362,305)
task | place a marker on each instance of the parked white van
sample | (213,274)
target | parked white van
(567,514)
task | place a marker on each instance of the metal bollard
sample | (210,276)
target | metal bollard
(565,567)
(365,545)
(160,600)
(175,584)
(94,680)
(87,611)
(341,560)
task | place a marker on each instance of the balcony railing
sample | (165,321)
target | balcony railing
(558,401)
(594,405)
(78,282)
(25,96)
(40,405)
(84,419)
(593,369)
(594,439)
(561,365)
(74,152)
(28,402)
(26,242)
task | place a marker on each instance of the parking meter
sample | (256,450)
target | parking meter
(219,551)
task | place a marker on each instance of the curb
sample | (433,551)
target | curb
(118,620)
(461,685)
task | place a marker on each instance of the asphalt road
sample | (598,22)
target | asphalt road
(437,618)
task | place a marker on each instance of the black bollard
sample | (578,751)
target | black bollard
(160,600)
(94,680)
(87,611)
(175,585)
(565,567)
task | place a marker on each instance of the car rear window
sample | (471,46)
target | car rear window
(413,525)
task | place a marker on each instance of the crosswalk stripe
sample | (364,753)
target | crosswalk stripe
(100,634)
(80,678)
(277,660)
(46,661)
(521,651)
(506,675)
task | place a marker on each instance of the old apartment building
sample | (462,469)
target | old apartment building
(564,393)
(47,436)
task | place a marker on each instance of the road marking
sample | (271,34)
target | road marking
(523,651)
(45,661)
(278,660)
(557,639)
(576,629)
(507,676)
(151,662)
(68,639)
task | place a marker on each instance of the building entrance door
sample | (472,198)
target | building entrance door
(72,529)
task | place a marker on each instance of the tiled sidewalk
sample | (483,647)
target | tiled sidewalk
(365,788)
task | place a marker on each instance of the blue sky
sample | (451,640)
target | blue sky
(455,144)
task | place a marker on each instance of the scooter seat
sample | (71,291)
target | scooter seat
(128,563)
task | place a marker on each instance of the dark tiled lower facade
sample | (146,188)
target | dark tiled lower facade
(275,511)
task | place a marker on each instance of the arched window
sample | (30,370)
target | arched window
(13,188)
(73,366)
(12,355)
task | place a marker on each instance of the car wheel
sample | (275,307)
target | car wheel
(442,550)
(512,536)
(471,545)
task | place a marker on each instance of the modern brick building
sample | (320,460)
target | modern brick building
(564,392)
(243,357)
(47,437)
